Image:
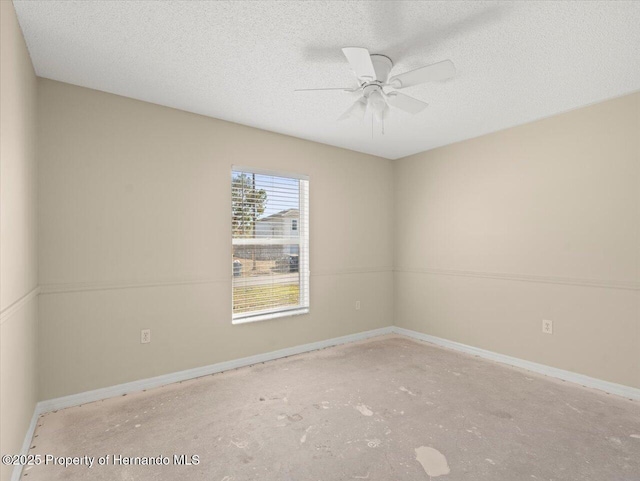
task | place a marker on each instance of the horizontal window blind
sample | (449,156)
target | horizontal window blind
(270,236)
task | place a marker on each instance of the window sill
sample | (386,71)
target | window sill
(271,315)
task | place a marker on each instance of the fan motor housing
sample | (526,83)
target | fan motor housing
(370,87)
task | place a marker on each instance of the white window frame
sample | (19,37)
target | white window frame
(303,255)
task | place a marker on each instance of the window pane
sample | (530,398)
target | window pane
(265,277)
(270,243)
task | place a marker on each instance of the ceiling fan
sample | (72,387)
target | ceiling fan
(372,73)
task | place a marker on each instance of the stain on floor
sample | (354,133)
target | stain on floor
(385,409)
(433,461)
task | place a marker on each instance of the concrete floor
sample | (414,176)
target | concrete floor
(385,409)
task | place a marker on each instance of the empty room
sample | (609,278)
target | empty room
(319,240)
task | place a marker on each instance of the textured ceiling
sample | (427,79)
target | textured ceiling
(241,61)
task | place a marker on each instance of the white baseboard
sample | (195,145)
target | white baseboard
(135,386)
(606,386)
(26,444)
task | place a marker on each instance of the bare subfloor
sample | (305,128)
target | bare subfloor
(386,409)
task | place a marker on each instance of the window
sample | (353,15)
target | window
(270,237)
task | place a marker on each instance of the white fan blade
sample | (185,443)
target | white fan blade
(344,89)
(360,61)
(356,111)
(431,73)
(406,103)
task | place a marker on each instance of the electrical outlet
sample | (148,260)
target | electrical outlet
(357,305)
(547,326)
(145,336)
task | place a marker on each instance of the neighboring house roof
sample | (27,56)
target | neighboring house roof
(282,214)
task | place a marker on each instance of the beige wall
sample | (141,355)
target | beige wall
(18,239)
(492,235)
(135,233)
(540,221)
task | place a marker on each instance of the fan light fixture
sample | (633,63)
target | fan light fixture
(376,101)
